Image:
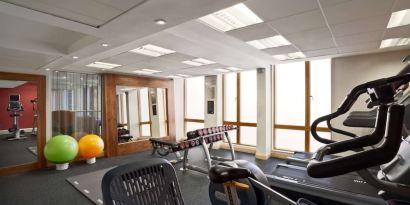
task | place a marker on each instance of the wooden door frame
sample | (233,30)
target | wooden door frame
(40,80)
(109,102)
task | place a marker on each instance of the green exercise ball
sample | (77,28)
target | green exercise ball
(61,149)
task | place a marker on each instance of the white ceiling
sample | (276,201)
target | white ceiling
(11,83)
(44,34)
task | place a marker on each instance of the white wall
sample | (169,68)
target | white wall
(348,72)
(133,119)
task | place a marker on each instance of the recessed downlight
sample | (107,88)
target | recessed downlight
(160,21)
(75,57)
(47,69)
(105,45)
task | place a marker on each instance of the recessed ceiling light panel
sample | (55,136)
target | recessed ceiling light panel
(103,65)
(233,68)
(391,42)
(152,50)
(234,17)
(183,75)
(221,70)
(270,42)
(399,18)
(289,56)
(198,62)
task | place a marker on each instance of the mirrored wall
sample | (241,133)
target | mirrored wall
(76,104)
(18,122)
(141,113)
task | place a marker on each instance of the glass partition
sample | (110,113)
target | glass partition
(76,104)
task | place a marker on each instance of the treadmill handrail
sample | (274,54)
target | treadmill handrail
(362,160)
(358,143)
(351,98)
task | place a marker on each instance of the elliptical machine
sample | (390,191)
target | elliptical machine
(15,107)
(35,121)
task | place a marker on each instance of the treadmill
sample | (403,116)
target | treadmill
(349,188)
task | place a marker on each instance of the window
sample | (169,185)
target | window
(243,85)
(194,103)
(302,94)
(144,111)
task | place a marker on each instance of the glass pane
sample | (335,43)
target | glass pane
(248,135)
(320,89)
(190,126)
(76,104)
(290,94)
(145,130)
(144,105)
(293,140)
(232,135)
(195,97)
(248,96)
(230,102)
(314,145)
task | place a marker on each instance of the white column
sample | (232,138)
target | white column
(179,108)
(264,113)
(133,119)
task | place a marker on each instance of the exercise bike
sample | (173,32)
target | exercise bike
(15,107)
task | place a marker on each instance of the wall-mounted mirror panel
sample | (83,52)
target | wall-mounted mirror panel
(18,122)
(141,113)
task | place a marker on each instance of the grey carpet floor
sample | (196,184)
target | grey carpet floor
(16,151)
(50,187)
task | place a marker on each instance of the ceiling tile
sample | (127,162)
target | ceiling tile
(359,38)
(126,58)
(397,32)
(321,52)
(253,32)
(370,46)
(352,10)
(11,58)
(312,39)
(281,50)
(360,26)
(299,22)
(177,57)
(325,3)
(401,5)
(274,9)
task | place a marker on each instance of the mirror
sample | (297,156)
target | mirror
(141,113)
(18,122)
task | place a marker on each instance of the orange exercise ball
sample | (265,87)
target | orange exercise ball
(90,146)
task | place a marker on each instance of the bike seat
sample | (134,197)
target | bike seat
(221,174)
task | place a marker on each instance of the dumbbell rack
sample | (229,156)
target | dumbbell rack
(204,140)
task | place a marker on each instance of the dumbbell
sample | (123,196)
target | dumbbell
(199,132)
(192,134)
(192,143)
(182,146)
(197,142)
(214,129)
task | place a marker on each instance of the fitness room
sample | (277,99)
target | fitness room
(204,102)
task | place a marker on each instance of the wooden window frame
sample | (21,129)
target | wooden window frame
(238,122)
(307,126)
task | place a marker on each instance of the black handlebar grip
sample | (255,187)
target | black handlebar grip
(365,159)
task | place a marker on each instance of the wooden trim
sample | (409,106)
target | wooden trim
(194,120)
(144,123)
(290,127)
(41,126)
(110,81)
(281,154)
(307,106)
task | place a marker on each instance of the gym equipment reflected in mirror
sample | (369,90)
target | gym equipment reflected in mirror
(18,122)
(141,113)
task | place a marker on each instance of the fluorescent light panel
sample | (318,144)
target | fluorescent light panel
(173,76)
(198,62)
(289,56)
(233,69)
(221,70)
(103,65)
(234,17)
(183,75)
(391,42)
(146,71)
(399,18)
(152,50)
(270,42)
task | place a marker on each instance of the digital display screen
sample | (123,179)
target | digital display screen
(14,97)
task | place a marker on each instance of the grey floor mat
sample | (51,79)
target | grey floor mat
(33,150)
(89,184)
